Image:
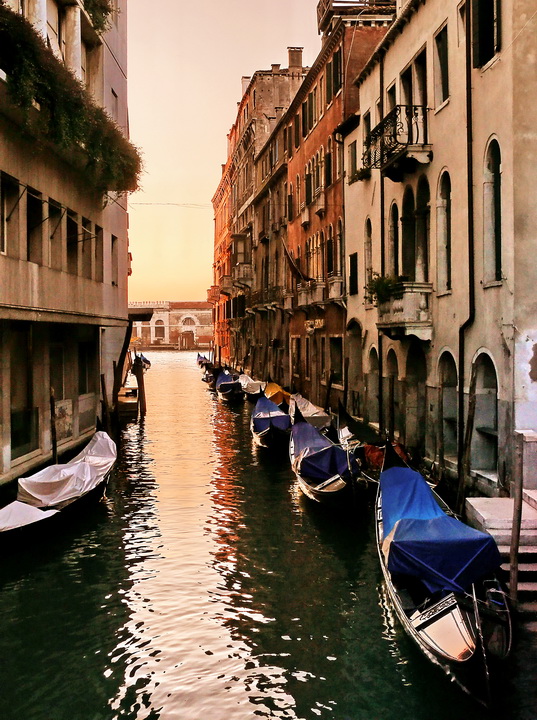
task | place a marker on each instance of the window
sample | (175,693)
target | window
(328,164)
(393,255)
(443,225)
(115,260)
(330,252)
(441,75)
(492,214)
(336,360)
(307,358)
(295,355)
(366,124)
(57,370)
(189,321)
(329,83)
(86,248)
(486,30)
(72,244)
(159,329)
(390,98)
(99,257)
(54,28)
(352,159)
(296,126)
(353,274)
(337,67)
(304,119)
(86,367)
(34,227)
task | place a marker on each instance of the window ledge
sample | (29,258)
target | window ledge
(443,293)
(492,283)
(442,105)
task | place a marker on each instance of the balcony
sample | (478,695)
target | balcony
(311,292)
(226,284)
(305,216)
(242,274)
(335,287)
(407,312)
(398,144)
(326,9)
(267,299)
(213,294)
(320,203)
(288,300)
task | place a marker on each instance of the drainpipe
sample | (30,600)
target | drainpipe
(382,255)
(470,228)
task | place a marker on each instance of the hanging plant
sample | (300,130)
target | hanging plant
(58,109)
(380,288)
(100,12)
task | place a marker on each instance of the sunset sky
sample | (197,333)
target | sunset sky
(186,60)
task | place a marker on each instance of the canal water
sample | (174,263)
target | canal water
(205,586)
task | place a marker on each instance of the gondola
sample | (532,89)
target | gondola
(325,471)
(228,387)
(203,360)
(313,414)
(278,395)
(442,578)
(270,425)
(253,389)
(58,489)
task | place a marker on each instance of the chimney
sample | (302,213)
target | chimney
(295,59)
(275,69)
(245,82)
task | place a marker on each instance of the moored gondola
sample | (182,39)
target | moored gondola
(253,389)
(270,425)
(325,471)
(58,489)
(228,387)
(442,578)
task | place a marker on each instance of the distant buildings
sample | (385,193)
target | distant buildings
(381,250)
(64,263)
(177,325)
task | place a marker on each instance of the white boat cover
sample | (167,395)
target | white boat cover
(59,483)
(17,514)
(252,387)
(315,415)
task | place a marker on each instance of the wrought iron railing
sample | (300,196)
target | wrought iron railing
(403,126)
(266,296)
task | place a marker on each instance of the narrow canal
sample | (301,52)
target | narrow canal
(205,587)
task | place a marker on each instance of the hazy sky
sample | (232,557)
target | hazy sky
(186,60)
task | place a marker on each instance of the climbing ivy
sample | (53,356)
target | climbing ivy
(56,107)
(99,12)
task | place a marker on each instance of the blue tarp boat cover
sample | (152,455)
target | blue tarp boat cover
(320,459)
(444,553)
(267,413)
(226,378)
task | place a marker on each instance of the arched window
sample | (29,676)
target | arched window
(330,252)
(393,255)
(485,436)
(448,406)
(408,245)
(423,197)
(443,233)
(189,321)
(492,214)
(339,247)
(159,329)
(328,164)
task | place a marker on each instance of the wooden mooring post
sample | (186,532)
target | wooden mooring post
(53,432)
(138,372)
(517,517)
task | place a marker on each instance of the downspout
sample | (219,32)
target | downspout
(382,254)
(470,227)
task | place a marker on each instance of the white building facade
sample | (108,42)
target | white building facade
(441,229)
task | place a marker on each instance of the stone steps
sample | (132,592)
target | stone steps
(495,515)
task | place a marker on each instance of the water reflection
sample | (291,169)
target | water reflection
(206,585)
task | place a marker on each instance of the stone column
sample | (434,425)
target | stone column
(73,40)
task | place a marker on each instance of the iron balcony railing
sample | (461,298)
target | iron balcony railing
(403,126)
(266,296)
